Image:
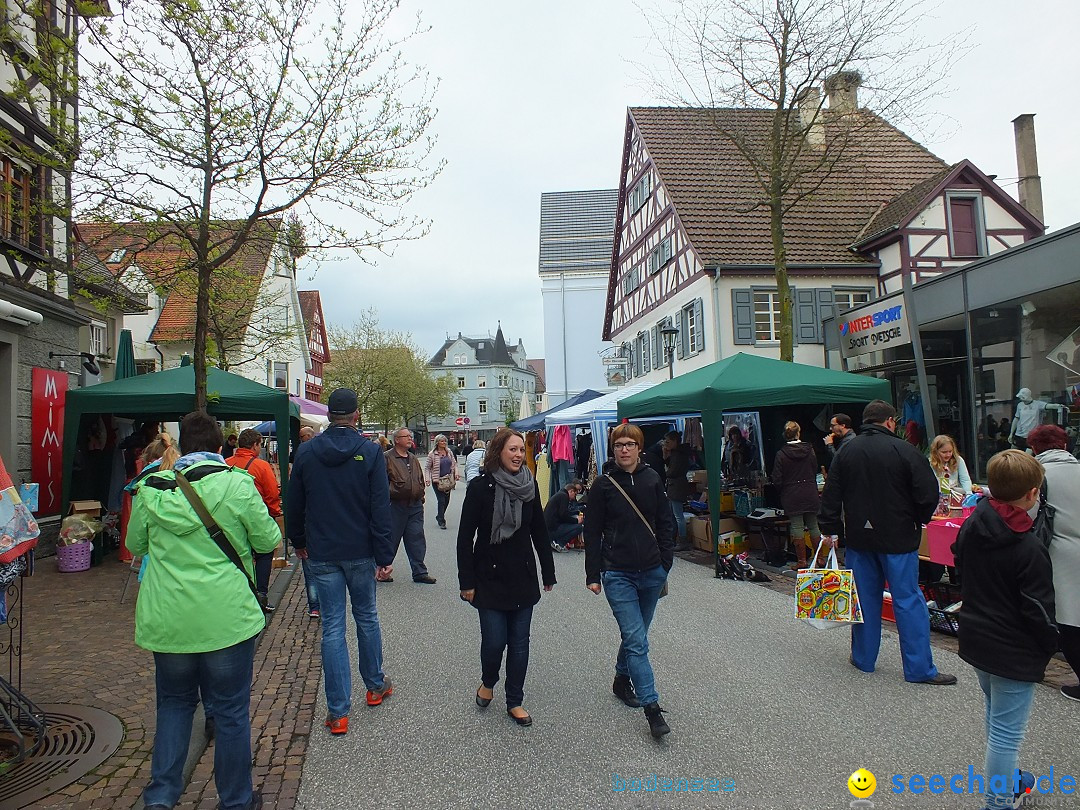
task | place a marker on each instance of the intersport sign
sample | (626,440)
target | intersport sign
(881,324)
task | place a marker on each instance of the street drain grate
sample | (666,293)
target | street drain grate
(77,740)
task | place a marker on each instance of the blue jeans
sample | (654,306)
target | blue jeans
(909,605)
(442,499)
(224,679)
(1008,706)
(332,579)
(505,630)
(679,511)
(565,532)
(309,586)
(407,522)
(633,596)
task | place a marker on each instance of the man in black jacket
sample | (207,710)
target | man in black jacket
(564,523)
(886,491)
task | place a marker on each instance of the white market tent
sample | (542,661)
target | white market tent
(600,414)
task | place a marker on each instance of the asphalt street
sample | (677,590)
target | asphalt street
(757,701)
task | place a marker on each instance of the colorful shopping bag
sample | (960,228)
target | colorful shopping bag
(18,529)
(827,597)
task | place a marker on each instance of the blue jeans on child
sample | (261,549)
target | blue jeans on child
(505,630)
(1008,706)
(633,596)
(223,677)
(333,579)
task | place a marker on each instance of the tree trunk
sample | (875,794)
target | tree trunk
(202,321)
(783,289)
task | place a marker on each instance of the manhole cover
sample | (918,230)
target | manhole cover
(77,740)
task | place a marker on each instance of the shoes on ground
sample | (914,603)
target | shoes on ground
(442,524)
(941,679)
(313,613)
(556,547)
(338,725)
(384,579)
(683,546)
(483,703)
(658,727)
(264,603)
(426,579)
(1071,692)
(375,696)
(623,689)
(524,720)
(256,801)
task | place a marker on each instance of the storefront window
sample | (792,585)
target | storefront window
(1031,343)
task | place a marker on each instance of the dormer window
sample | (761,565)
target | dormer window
(117,255)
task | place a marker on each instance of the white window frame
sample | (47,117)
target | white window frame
(773,304)
(481,406)
(481,381)
(692,328)
(460,382)
(98,339)
(462,407)
(504,405)
(277,367)
(504,381)
(849,294)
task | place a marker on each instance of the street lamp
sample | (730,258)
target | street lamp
(670,334)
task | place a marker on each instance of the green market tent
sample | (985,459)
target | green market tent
(169,395)
(746,382)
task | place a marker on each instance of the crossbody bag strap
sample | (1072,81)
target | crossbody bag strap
(634,505)
(216,533)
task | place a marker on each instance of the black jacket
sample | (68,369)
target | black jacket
(504,575)
(884,488)
(677,466)
(1007,624)
(795,474)
(616,539)
(558,511)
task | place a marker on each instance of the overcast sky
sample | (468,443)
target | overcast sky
(533,98)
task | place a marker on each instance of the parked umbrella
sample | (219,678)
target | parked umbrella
(185,360)
(125,356)
(525,408)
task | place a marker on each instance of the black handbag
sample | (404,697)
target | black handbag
(1043,527)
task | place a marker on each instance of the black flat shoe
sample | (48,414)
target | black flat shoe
(521,721)
(483,703)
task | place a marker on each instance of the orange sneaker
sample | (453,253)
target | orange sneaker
(374,698)
(338,726)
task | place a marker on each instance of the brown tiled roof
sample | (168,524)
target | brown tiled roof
(163,254)
(901,208)
(714,190)
(539,368)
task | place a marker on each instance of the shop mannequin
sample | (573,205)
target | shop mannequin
(1029,415)
(914,420)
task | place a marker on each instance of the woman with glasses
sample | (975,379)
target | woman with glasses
(501,535)
(629,545)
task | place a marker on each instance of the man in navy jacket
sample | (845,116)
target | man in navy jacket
(885,490)
(339,521)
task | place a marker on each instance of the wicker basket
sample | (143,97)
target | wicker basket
(75,557)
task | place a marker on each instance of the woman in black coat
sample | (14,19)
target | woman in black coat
(502,523)
(795,474)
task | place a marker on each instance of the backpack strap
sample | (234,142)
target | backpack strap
(212,528)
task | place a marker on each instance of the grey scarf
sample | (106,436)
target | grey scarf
(511,491)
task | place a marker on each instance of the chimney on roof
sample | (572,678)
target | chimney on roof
(1027,165)
(809,102)
(843,90)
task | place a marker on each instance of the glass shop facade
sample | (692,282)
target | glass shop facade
(958,348)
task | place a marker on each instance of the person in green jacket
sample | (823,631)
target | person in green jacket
(197,611)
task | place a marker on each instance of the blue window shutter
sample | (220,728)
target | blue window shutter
(807,326)
(682,350)
(643,340)
(699,337)
(657,346)
(742,317)
(826,302)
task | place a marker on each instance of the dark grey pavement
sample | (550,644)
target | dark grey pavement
(752,696)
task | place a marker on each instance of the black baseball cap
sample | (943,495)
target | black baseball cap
(342,402)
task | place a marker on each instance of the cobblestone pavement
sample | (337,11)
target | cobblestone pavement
(79,648)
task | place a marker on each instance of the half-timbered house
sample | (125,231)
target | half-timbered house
(693,246)
(318,344)
(38,67)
